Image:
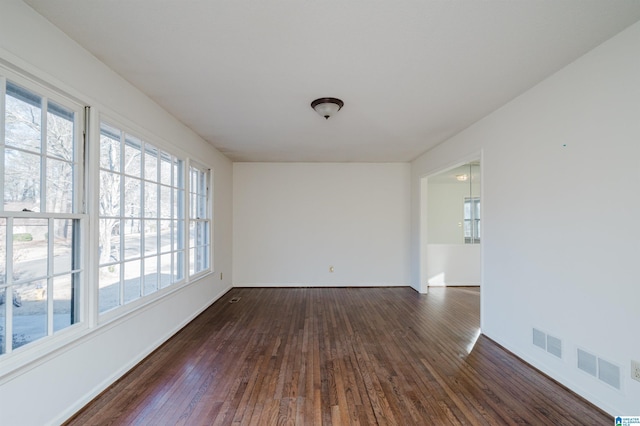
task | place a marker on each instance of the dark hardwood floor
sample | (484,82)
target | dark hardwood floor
(337,356)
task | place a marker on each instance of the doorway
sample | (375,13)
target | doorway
(451,217)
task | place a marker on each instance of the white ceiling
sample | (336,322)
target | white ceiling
(411,73)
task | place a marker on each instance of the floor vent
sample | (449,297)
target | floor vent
(234,300)
(539,339)
(588,362)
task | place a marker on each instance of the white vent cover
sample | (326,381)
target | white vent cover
(554,346)
(609,373)
(587,362)
(539,339)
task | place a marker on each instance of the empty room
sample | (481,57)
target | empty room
(287,212)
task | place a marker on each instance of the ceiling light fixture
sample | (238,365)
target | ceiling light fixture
(462,178)
(326,107)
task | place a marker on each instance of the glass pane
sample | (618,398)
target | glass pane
(178,266)
(150,199)
(467,209)
(109,154)
(179,234)
(150,163)
(132,281)
(132,200)
(21,181)
(23,118)
(109,287)
(109,194)
(165,169)
(477,209)
(3,320)
(30,248)
(202,234)
(178,203)
(60,131)
(109,240)
(62,244)
(132,156)
(150,275)
(64,303)
(165,270)
(132,238)
(29,313)
(150,237)
(165,236)
(3,254)
(201,207)
(192,261)
(165,202)
(192,234)
(59,186)
(467,228)
(178,177)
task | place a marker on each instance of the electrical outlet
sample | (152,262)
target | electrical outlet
(331,269)
(635,370)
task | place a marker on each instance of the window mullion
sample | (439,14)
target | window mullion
(121,220)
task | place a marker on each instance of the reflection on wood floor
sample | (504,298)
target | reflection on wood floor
(337,356)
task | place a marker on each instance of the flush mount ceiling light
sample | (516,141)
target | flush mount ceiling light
(326,107)
(462,178)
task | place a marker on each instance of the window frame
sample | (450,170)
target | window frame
(147,141)
(50,99)
(208,220)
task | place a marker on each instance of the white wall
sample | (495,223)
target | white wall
(560,235)
(453,264)
(445,212)
(292,221)
(54,387)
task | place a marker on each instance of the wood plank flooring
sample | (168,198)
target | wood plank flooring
(337,356)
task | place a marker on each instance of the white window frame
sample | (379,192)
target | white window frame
(13,357)
(180,251)
(191,220)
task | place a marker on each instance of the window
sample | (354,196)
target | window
(41,215)
(472,220)
(141,219)
(199,220)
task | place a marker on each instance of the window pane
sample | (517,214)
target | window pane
(59,186)
(21,181)
(132,281)
(59,131)
(62,244)
(3,254)
(3,320)
(178,266)
(150,163)
(132,238)
(132,200)
(109,240)
(132,157)
(150,199)
(165,236)
(109,194)
(165,270)
(23,118)
(64,303)
(150,237)
(30,248)
(165,169)
(166,208)
(109,287)
(109,153)
(29,313)
(150,275)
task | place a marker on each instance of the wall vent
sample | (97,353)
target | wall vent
(554,346)
(587,362)
(539,339)
(609,373)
